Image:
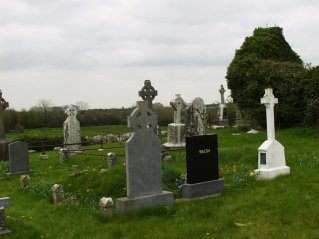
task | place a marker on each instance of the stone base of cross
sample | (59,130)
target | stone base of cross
(271,160)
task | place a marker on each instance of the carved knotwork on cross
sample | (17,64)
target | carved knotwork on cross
(142,118)
(148,92)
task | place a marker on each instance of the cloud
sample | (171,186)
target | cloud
(78,44)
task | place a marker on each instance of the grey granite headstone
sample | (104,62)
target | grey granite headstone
(71,129)
(143,163)
(196,116)
(18,158)
(3,142)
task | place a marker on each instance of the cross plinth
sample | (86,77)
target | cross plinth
(148,92)
(269,101)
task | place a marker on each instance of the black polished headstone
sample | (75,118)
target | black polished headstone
(202,158)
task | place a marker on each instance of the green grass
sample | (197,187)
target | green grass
(286,207)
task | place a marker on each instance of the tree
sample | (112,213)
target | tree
(266,60)
(45,106)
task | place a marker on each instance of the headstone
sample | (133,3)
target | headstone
(271,154)
(176,131)
(223,118)
(3,142)
(106,206)
(4,202)
(71,129)
(196,115)
(112,160)
(24,181)
(18,158)
(143,163)
(58,194)
(202,167)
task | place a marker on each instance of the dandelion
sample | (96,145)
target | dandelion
(251,174)
(88,190)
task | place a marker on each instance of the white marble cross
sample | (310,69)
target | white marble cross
(269,101)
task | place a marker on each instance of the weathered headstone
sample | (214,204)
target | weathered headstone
(3,142)
(271,154)
(202,167)
(222,113)
(176,131)
(4,202)
(196,116)
(143,163)
(58,194)
(112,160)
(18,158)
(71,129)
(24,181)
(106,206)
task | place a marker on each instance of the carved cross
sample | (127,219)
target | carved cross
(222,92)
(3,105)
(142,118)
(148,92)
(177,104)
(269,101)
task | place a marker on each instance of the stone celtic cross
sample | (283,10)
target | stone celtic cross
(148,92)
(269,101)
(177,104)
(222,92)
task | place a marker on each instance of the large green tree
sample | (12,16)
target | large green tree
(266,60)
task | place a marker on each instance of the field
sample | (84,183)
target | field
(286,207)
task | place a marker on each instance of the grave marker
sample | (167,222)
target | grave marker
(18,158)
(202,167)
(271,154)
(176,131)
(196,116)
(4,202)
(3,142)
(148,93)
(143,163)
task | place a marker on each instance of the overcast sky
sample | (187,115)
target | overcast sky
(101,51)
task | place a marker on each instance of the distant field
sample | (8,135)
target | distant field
(286,207)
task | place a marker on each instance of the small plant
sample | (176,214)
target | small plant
(4,167)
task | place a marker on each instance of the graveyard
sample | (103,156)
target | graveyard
(184,179)
(248,208)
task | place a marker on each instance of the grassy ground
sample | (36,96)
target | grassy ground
(286,207)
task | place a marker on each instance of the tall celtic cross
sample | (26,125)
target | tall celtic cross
(269,101)
(222,92)
(3,105)
(177,104)
(148,92)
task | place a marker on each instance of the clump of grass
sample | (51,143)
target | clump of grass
(4,167)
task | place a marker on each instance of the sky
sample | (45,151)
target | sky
(101,51)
